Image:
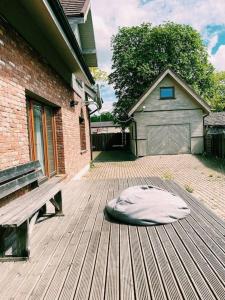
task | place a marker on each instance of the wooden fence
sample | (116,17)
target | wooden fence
(215,144)
(110,141)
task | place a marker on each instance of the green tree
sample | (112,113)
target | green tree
(140,53)
(106,116)
(99,75)
(218,101)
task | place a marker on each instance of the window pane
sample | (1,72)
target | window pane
(38,132)
(166,92)
(50,142)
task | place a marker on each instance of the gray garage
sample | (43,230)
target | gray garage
(168,139)
(168,118)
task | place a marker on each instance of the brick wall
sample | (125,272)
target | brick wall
(21,70)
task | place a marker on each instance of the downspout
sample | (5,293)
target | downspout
(89,121)
(204,132)
(135,128)
(93,111)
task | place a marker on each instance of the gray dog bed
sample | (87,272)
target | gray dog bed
(147,205)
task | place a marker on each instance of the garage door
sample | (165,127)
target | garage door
(169,139)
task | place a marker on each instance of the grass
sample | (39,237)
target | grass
(168,175)
(92,165)
(189,188)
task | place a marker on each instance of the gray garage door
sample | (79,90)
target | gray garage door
(169,139)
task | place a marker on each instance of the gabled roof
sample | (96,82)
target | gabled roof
(215,119)
(75,8)
(180,81)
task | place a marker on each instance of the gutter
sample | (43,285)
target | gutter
(61,17)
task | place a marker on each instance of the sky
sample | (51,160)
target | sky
(206,16)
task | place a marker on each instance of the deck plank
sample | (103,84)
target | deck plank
(152,268)
(112,288)
(78,259)
(97,290)
(87,256)
(126,275)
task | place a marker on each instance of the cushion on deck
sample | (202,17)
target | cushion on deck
(147,205)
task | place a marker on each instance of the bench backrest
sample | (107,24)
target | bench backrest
(15,178)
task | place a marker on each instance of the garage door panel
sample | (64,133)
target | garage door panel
(168,139)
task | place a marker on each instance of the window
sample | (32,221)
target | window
(82,132)
(42,136)
(167,93)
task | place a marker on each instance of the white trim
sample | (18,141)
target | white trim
(81,173)
(176,78)
(45,2)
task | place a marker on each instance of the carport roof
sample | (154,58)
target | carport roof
(215,119)
(180,81)
(103,124)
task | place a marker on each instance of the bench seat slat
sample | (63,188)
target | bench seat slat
(21,201)
(32,208)
(20,204)
(10,173)
(30,204)
(16,184)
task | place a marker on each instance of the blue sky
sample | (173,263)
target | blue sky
(206,16)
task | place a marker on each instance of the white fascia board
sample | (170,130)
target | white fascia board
(190,91)
(45,2)
(89,51)
(142,99)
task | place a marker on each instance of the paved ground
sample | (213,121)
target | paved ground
(202,176)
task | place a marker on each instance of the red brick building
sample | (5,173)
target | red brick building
(45,84)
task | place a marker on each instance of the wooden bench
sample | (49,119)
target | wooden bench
(18,217)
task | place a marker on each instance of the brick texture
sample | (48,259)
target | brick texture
(21,70)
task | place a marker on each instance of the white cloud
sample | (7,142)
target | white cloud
(218,59)
(212,43)
(107,106)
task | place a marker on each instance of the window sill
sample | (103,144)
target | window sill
(83,151)
(171,98)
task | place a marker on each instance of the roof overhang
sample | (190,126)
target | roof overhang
(45,27)
(87,37)
(73,10)
(181,82)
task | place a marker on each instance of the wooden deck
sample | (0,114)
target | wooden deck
(85,256)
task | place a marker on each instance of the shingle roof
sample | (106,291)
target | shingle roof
(215,119)
(75,8)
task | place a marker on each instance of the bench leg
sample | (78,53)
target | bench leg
(2,244)
(22,239)
(57,202)
(42,211)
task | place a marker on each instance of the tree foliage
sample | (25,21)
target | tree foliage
(99,75)
(218,101)
(141,53)
(106,116)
